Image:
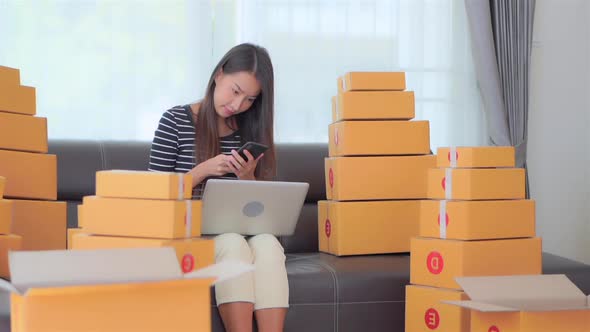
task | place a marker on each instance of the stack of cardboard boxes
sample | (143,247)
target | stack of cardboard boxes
(134,209)
(376,169)
(8,241)
(477,223)
(30,173)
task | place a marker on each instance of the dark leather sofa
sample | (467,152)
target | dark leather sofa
(327,293)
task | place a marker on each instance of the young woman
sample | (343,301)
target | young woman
(202,139)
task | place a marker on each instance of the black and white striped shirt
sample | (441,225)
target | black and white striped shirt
(173,147)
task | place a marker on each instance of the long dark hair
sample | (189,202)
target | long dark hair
(256,124)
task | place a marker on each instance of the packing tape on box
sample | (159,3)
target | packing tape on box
(343,80)
(453,156)
(180,185)
(189,218)
(448,183)
(442,217)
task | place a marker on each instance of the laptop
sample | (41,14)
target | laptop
(252,207)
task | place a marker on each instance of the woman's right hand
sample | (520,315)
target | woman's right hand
(216,166)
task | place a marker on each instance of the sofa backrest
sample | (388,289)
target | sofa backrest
(79,160)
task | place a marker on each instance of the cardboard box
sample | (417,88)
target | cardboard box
(436,262)
(544,303)
(18,99)
(192,254)
(373,105)
(111,290)
(29,175)
(71,233)
(23,132)
(2,184)
(477,220)
(426,313)
(5,216)
(9,77)
(8,243)
(42,224)
(143,184)
(473,157)
(360,81)
(359,228)
(163,219)
(374,178)
(364,138)
(476,183)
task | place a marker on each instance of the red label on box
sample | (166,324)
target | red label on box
(435,262)
(444,183)
(493,328)
(328,228)
(456,155)
(432,318)
(331,178)
(446,219)
(188,263)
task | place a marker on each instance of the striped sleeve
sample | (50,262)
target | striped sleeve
(164,151)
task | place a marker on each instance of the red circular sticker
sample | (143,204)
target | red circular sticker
(328,228)
(443,183)
(188,263)
(331,178)
(446,219)
(435,262)
(456,155)
(431,318)
(493,328)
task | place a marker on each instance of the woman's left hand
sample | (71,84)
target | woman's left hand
(243,169)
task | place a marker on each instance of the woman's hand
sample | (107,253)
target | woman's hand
(243,169)
(216,166)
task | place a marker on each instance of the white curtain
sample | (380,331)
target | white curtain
(108,69)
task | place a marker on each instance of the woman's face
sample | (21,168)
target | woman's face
(234,93)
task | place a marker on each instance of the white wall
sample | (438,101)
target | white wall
(559,126)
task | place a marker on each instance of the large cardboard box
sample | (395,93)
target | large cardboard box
(375,178)
(373,105)
(29,175)
(426,313)
(362,81)
(42,224)
(476,183)
(543,303)
(474,157)
(5,216)
(163,219)
(477,220)
(192,254)
(365,138)
(374,227)
(23,132)
(8,243)
(111,290)
(143,184)
(9,77)
(18,99)
(436,262)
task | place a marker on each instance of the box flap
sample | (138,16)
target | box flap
(221,271)
(481,306)
(80,267)
(526,292)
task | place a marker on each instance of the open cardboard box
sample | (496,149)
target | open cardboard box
(111,290)
(539,303)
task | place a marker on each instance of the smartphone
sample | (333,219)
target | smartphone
(255,149)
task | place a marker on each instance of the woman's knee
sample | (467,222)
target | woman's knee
(266,247)
(232,246)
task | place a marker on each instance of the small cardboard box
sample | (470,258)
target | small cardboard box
(29,175)
(18,99)
(373,105)
(23,132)
(5,216)
(365,138)
(476,183)
(192,254)
(474,157)
(9,77)
(477,220)
(42,224)
(151,218)
(539,303)
(426,313)
(436,262)
(376,178)
(143,184)
(360,228)
(362,81)
(117,290)
(8,243)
